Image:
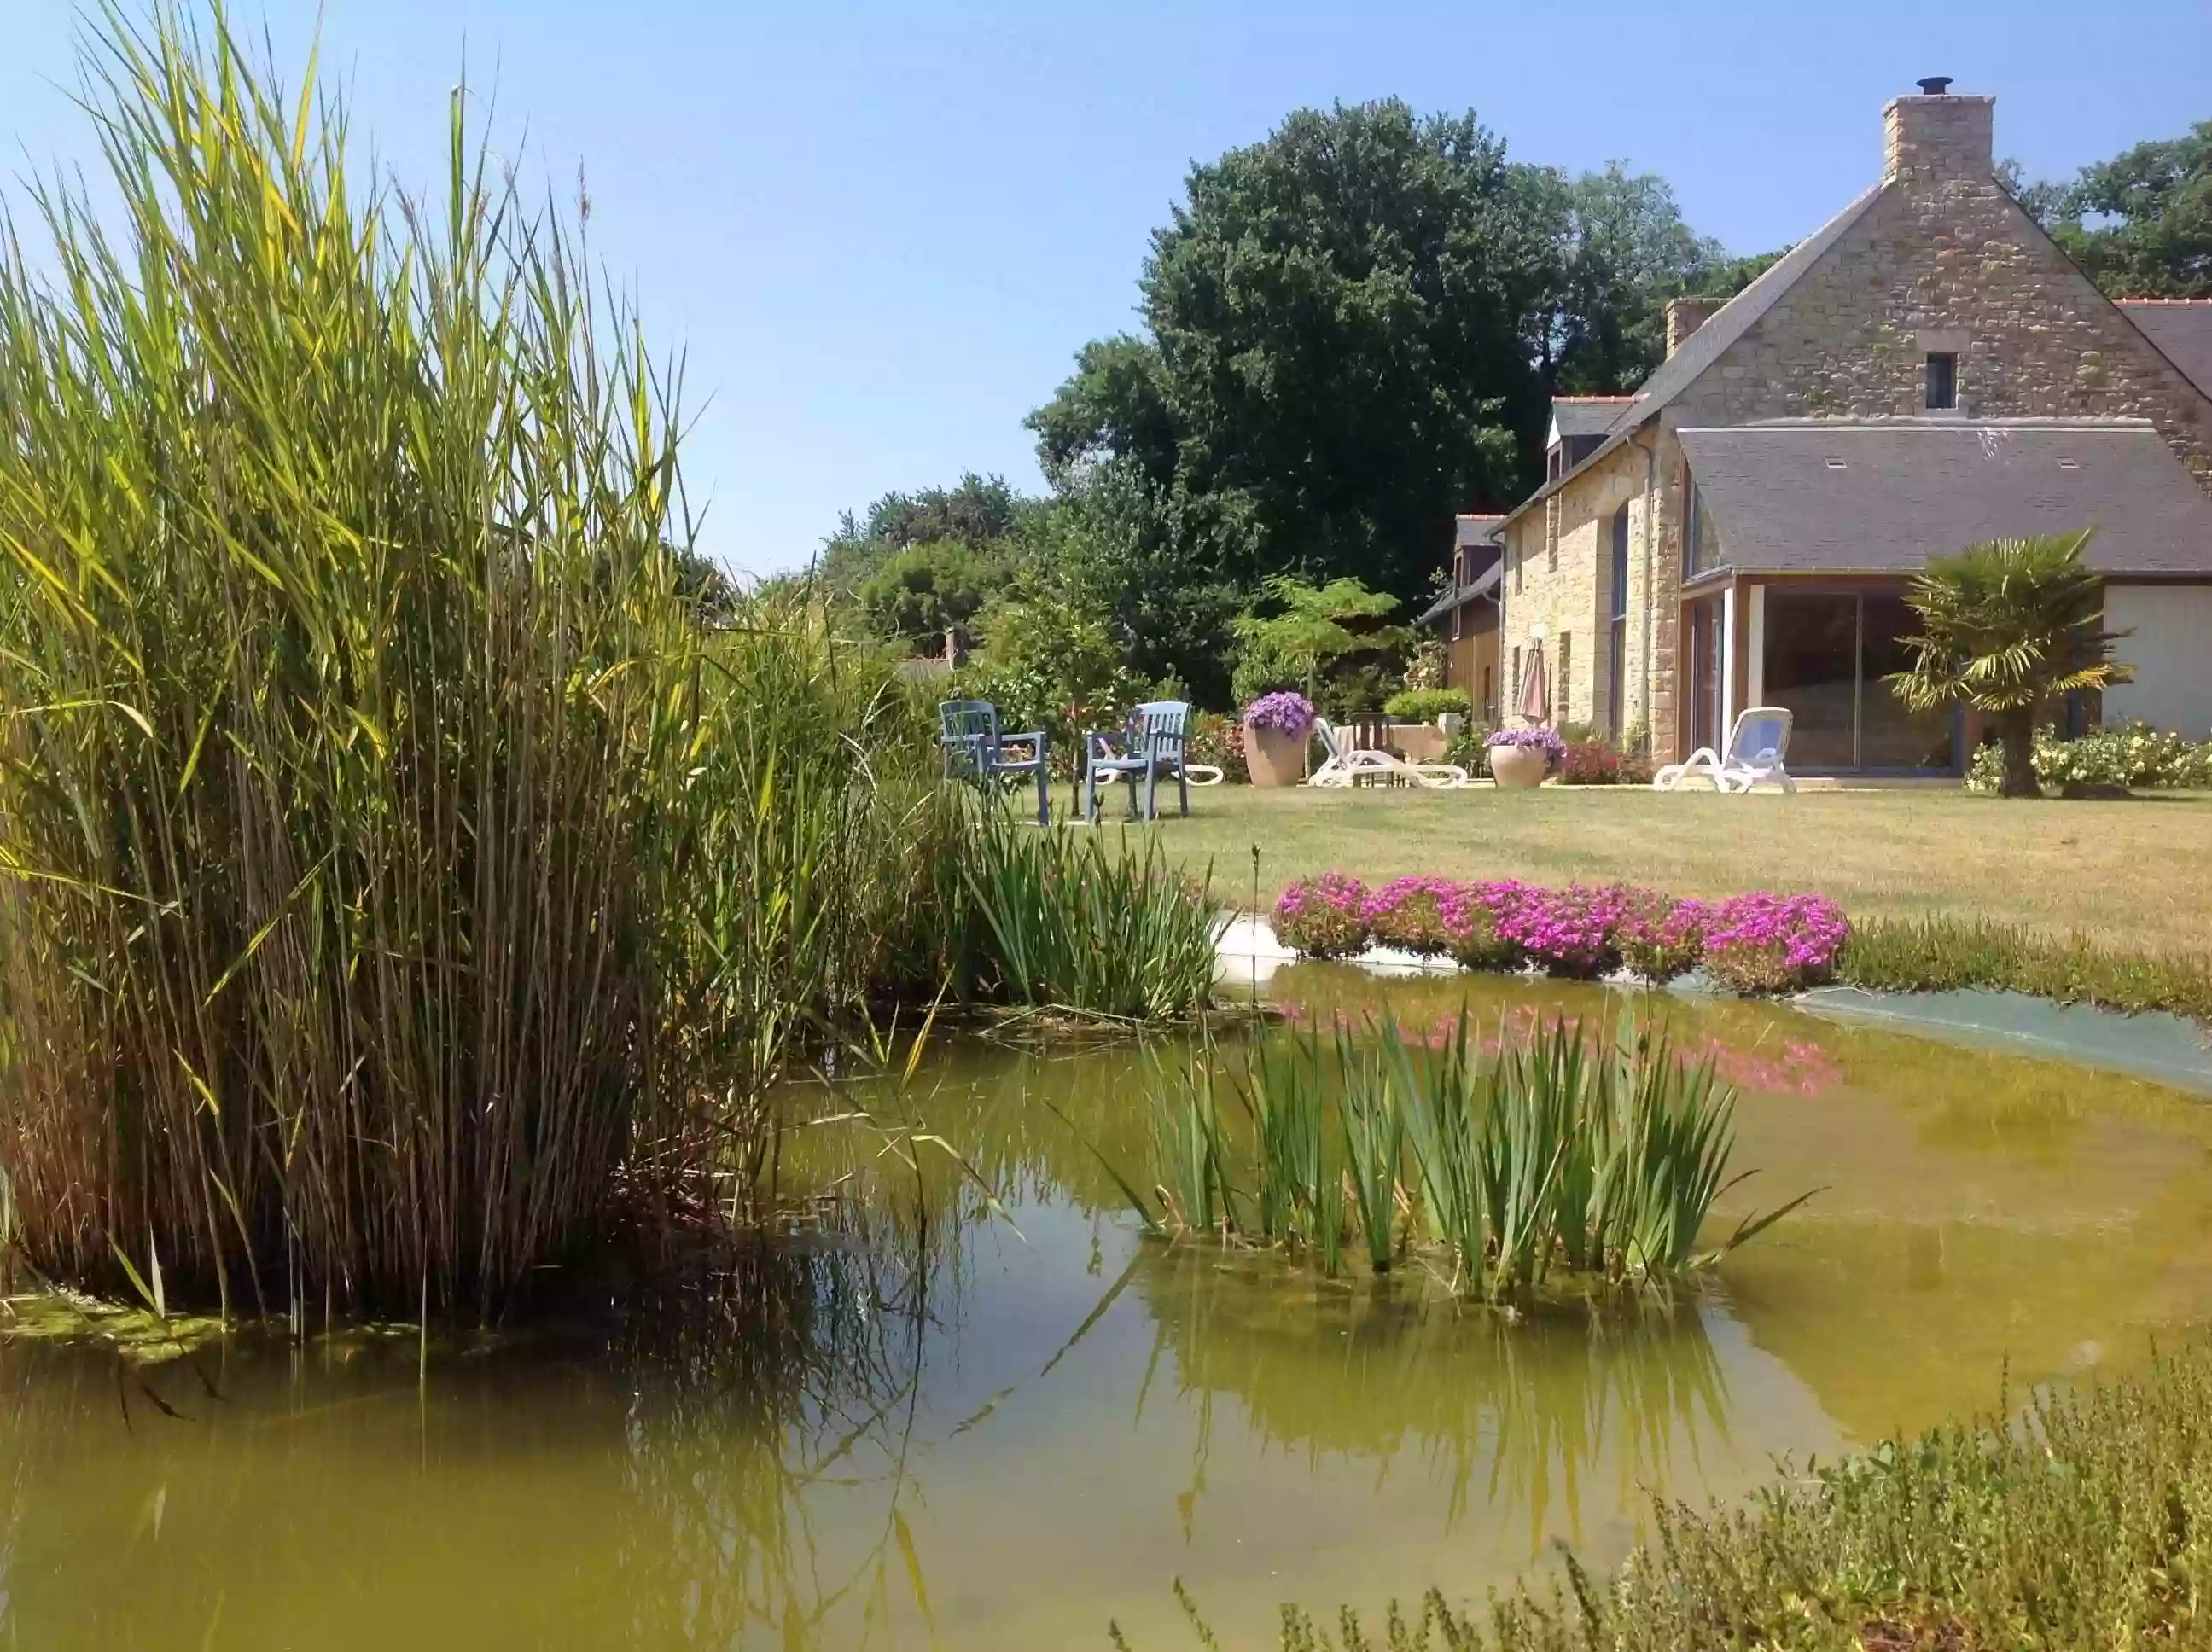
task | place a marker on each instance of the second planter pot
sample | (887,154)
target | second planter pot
(1275,759)
(1518,768)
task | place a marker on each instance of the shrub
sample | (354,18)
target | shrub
(1323,917)
(1470,749)
(1220,741)
(1765,942)
(1596,763)
(1658,936)
(1427,705)
(1567,932)
(1416,915)
(1285,711)
(2137,757)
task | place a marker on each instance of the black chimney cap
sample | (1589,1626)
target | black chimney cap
(1936,86)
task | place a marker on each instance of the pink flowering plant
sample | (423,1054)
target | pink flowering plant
(1759,943)
(1569,932)
(1286,710)
(1415,914)
(1323,917)
(1476,924)
(1764,943)
(1660,936)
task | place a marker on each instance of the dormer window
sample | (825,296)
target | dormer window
(1943,379)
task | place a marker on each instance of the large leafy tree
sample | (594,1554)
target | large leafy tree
(1617,250)
(1337,313)
(2007,627)
(981,513)
(2140,223)
(1352,327)
(919,592)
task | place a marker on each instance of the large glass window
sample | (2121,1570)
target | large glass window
(1705,674)
(1889,736)
(1826,655)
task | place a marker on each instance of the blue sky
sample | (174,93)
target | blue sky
(880,230)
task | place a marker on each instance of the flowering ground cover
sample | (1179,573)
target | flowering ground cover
(1754,943)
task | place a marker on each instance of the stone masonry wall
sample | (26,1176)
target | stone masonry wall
(1574,597)
(1952,265)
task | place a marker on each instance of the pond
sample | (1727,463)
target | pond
(1002,1427)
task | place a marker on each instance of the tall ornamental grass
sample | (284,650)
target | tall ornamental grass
(392,861)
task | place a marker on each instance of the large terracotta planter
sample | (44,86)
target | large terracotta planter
(1518,768)
(1274,757)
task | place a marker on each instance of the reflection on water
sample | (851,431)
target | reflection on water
(1001,1430)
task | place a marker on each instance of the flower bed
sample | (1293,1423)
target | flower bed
(1596,762)
(1759,943)
(1419,915)
(1774,943)
(1323,917)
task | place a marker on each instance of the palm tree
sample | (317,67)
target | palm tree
(2008,627)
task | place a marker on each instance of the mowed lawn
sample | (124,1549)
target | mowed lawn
(2135,873)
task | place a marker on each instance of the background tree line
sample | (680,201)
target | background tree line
(1351,331)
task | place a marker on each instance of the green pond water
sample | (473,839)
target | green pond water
(983,1428)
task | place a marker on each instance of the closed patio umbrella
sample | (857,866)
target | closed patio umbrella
(1536,693)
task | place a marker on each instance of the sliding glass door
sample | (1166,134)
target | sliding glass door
(1826,655)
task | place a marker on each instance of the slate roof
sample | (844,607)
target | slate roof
(2181,328)
(1883,495)
(1472,530)
(1482,584)
(1586,415)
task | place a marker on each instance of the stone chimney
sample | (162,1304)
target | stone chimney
(1932,137)
(1685,316)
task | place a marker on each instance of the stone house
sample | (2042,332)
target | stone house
(1925,370)
(1464,614)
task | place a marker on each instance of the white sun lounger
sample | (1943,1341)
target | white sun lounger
(1757,745)
(1348,767)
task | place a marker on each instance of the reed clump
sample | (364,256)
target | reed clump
(1067,918)
(397,868)
(1559,1158)
(403,874)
